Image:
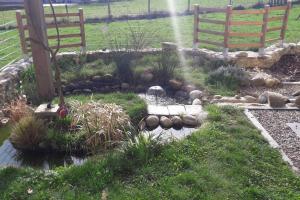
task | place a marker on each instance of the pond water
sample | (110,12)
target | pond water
(9,156)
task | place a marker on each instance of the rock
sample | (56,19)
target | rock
(175,85)
(272,82)
(190,120)
(237,96)
(250,99)
(4,121)
(177,122)
(152,121)
(259,79)
(157,91)
(181,94)
(242,55)
(263,98)
(77,91)
(217,97)
(125,86)
(196,94)
(297,102)
(142,125)
(87,91)
(96,78)
(189,88)
(147,76)
(108,77)
(276,100)
(197,102)
(297,93)
(165,122)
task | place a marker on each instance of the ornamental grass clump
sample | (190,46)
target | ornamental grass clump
(28,133)
(104,125)
(18,109)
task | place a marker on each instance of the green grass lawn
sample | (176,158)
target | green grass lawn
(99,35)
(226,159)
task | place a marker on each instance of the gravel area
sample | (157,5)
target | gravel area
(286,90)
(275,122)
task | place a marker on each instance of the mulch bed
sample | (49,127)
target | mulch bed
(275,122)
(287,66)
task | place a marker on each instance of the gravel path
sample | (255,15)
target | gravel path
(286,90)
(275,122)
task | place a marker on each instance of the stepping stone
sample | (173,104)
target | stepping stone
(193,109)
(295,127)
(158,110)
(43,111)
(176,110)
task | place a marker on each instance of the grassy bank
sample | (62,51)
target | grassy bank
(226,159)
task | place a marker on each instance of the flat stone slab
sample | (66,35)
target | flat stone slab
(158,110)
(43,111)
(193,109)
(176,109)
(295,127)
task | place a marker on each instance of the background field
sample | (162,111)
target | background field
(99,35)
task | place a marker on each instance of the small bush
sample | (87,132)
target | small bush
(165,67)
(258,5)
(29,87)
(18,109)
(239,7)
(231,77)
(142,148)
(104,124)
(28,133)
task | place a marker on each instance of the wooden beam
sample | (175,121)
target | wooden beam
(41,57)
(21,32)
(212,21)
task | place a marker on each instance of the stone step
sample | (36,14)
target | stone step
(174,110)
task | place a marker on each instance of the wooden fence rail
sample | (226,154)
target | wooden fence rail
(228,23)
(25,40)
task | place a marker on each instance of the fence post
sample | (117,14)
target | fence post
(227,30)
(22,34)
(189,6)
(109,9)
(149,7)
(285,21)
(264,28)
(196,27)
(82,31)
(41,57)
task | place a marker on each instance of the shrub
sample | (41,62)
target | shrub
(141,148)
(103,124)
(258,5)
(29,87)
(165,67)
(239,7)
(28,133)
(231,77)
(18,109)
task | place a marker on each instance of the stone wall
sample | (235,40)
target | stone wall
(10,79)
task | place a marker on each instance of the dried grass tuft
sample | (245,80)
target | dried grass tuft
(18,109)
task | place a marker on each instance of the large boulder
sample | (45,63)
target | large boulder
(157,91)
(272,82)
(152,121)
(259,79)
(263,98)
(276,100)
(165,122)
(196,94)
(250,99)
(190,120)
(197,102)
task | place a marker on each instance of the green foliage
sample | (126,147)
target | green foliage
(231,77)
(165,67)
(29,87)
(28,133)
(141,148)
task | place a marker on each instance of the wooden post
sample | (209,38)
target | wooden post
(264,31)
(82,31)
(21,34)
(196,26)
(227,30)
(109,9)
(149,7)
(189,6)
(41,57)
(285,21)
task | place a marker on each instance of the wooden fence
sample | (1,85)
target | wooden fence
(25,40)
(228,23)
